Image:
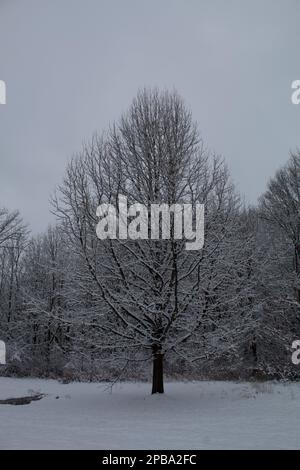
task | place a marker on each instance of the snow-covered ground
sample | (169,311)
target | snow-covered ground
(197,415)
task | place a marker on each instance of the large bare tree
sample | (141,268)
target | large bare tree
(152,298)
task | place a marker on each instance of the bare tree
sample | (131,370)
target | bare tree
(280,207)
(279,211)
(13,237)
(11,225)
(152,298)
(43,284)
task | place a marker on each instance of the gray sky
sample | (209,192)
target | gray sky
(73,66)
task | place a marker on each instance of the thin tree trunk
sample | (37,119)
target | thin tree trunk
(158,372)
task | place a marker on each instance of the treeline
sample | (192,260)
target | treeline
(77,307)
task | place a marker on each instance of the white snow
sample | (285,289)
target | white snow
(193,415)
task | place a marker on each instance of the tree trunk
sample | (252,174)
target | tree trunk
(158,373)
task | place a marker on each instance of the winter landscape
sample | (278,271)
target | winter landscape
(149,226)
(191,415)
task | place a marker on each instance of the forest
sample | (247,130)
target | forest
(75,307)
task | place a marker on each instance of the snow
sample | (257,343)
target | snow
(193,415)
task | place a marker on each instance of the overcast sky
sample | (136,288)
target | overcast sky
(73,66)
